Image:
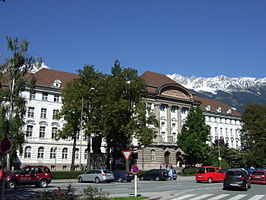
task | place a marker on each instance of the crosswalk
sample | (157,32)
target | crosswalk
(219,197)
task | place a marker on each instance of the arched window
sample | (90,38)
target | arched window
(64,153)
(27,153)
(40,152)
(53,152)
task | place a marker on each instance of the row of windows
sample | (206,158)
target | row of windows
(163,108)
(226,133)
(43,114)
(53,153)
(221,120)
(44,96)
(42,131)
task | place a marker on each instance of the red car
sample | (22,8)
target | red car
(209,174)
(40,176)
(258,176)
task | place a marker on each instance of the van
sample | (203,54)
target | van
(209,174)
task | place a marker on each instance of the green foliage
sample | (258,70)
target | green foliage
(190,171)
(194,137)
(129,198)
(253,135)
(94,193)
(66,174)
(14,79)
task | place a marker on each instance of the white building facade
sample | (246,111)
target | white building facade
(169,101)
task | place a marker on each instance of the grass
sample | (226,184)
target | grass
(128,198)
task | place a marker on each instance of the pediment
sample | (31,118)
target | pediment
(175,91)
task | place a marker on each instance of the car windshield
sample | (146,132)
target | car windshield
(200,170)
(107,171)
(258,173)
(234,173)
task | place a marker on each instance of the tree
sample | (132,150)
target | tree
(194,137)
(124,112)
(14,79)
(253,135)
(78,109)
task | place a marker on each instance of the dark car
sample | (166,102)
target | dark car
(123,175)
(154,174)
(258,176)
(40,176)
(237,178)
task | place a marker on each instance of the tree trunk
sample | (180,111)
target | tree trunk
(73,154)
(108,154)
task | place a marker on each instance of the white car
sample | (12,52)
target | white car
(97,176)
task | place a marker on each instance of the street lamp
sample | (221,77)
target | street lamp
(55,148)
(81,121)
(142,148)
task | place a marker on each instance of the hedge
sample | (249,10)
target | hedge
(66,174)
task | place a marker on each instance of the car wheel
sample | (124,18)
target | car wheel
(209,180)
(157,178)
(120,179)
(128,180)
(43,183)
(198,181)
(97,180)
(11,184)
(80,180)
(141,178)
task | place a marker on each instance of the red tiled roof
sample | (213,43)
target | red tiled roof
(156,79)
(46,77)
(214,105)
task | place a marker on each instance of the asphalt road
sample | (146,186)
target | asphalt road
(184,188)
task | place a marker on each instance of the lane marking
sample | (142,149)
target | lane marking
(256,197)
(219,197)
(240,196)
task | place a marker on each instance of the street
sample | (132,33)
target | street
(184,188)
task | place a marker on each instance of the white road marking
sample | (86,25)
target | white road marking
(219,197)
(240,196)
(257,197)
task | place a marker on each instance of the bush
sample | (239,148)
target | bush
(93,193)
(66,174)
(189,171)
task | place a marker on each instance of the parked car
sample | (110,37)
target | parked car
(154,174)
(97,176)
(40,176)
(172,175)
(258,176)
(123,175)
(209,174)
(237,178)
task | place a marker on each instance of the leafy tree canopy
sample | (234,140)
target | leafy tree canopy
(194,137)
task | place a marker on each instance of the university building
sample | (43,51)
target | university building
(169,101)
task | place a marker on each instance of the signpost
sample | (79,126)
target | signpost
(135,171)
(127,154)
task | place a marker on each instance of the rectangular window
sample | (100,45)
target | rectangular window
(173,109)
(77,154)
(42,131)
(163,107)
(43,113)
(54,132)
(45,96)
(29,131)
(55,113)
(31,112)
(33,95)
(56,98)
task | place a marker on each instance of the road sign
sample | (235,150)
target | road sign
(127,154)
(134,169)
(5,145)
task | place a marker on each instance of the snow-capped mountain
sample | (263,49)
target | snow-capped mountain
(236,92)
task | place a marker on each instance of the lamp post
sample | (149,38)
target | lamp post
(81,121)
(142,159)
(219,153)
(55,149)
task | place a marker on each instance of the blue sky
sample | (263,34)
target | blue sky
(189,37)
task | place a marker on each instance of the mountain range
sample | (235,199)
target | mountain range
(235,92)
